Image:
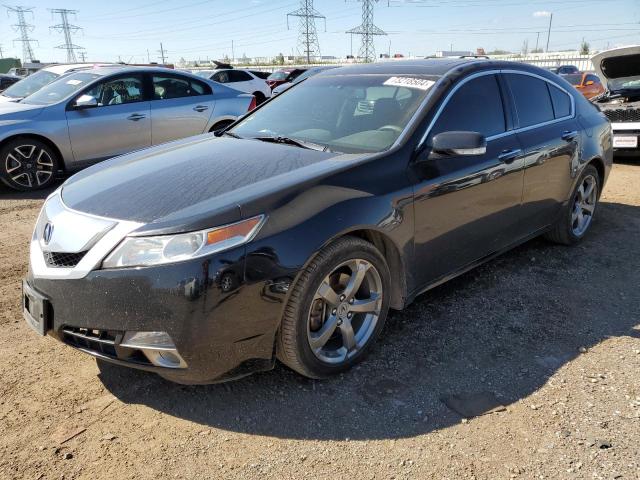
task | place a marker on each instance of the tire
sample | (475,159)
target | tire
(260,98)
(566,231)
(28,164)
(341,337)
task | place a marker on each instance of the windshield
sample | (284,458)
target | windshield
(31,84)
(279,75)
(628,83)
(573,79)
(60,89)
(204,73)
(347,113)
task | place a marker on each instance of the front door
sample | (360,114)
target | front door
(467,207)
(120,123)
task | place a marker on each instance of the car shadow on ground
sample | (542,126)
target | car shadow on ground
(502,329)
(7,193)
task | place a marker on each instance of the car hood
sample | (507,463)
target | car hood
(194,183)
(617,63)
(18,111)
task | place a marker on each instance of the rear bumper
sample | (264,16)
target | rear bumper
(626,130)
(222,326)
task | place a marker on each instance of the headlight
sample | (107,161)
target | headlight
(145,251)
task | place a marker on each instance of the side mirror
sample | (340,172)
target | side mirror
(85,101)
(459,143)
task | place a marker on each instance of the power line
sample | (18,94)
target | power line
(367,30)
(67,29)
(24,28)
(308,45)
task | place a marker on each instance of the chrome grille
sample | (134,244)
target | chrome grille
(623,115)
(63,259)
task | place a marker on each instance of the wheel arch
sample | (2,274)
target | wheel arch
(599,166)
(41,138)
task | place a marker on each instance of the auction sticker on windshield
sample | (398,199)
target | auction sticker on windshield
(410,82)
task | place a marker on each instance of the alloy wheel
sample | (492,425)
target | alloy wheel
(584,205)
(345,311)
(29,166)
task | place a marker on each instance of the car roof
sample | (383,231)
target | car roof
(67,67)
(109,69)
(428,66)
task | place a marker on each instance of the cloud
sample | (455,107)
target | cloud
(541,13)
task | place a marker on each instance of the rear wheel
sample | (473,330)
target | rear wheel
(27,164)
(578,214)
(259,98)
(336,309)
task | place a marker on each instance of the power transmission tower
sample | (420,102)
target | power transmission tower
(24,28)
(308,45)
(67,29)
(83,56)
(367,30)
(162,52)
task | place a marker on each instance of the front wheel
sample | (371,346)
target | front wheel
(27,164)
(578,214)
(336,309)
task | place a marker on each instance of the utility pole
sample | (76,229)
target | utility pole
(233,52)
(1,54)
(537,39)
(83,54)
(549,31)
(67,29)
(162,53)
(24,28)
(367,30)
(308,45)
(148,57)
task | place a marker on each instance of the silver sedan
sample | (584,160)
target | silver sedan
(92,115)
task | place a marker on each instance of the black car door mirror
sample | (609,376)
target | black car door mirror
(459,143)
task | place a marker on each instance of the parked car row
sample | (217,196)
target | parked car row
(292,233)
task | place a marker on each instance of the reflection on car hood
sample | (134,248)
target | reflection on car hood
(19,111)
(617,63)
(179,185)
(6,99)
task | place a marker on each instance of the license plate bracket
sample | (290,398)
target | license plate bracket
(625,141)
(35,309)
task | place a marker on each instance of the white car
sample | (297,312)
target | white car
(39,79)
(239,79)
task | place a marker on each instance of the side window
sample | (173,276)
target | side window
(118,91)
(167,87)
(474,107)
(238,76)
(200,88)
(532,99)
(561,102)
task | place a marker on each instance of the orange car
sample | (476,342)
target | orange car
(587,83)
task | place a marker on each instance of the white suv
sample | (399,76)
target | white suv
(42,77)
(239,79)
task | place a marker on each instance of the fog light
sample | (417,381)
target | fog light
(155,340)
(156,346)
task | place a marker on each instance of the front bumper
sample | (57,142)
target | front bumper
(222,326)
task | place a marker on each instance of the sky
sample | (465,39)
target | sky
(200,29)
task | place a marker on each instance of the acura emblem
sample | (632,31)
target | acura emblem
(48,231)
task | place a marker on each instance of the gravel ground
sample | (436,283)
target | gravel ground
(546,337)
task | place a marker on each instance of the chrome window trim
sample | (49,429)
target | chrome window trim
(508,132)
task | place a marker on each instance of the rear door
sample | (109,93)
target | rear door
(549,131)
(120,123)
(180,107)
(467,207)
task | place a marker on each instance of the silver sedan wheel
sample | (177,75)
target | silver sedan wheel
(29,166)
(584,205)
(345,311)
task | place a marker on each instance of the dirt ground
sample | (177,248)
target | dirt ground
(549,332)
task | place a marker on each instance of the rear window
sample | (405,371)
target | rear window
(279,75)
(573,79)
(532,99)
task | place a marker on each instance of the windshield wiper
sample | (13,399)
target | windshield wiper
(229,134)
(293,141)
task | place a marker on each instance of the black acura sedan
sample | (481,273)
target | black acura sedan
(293,233)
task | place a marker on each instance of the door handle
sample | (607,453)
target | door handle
(508,156)
(569,135)
(136,116)
(200,108)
